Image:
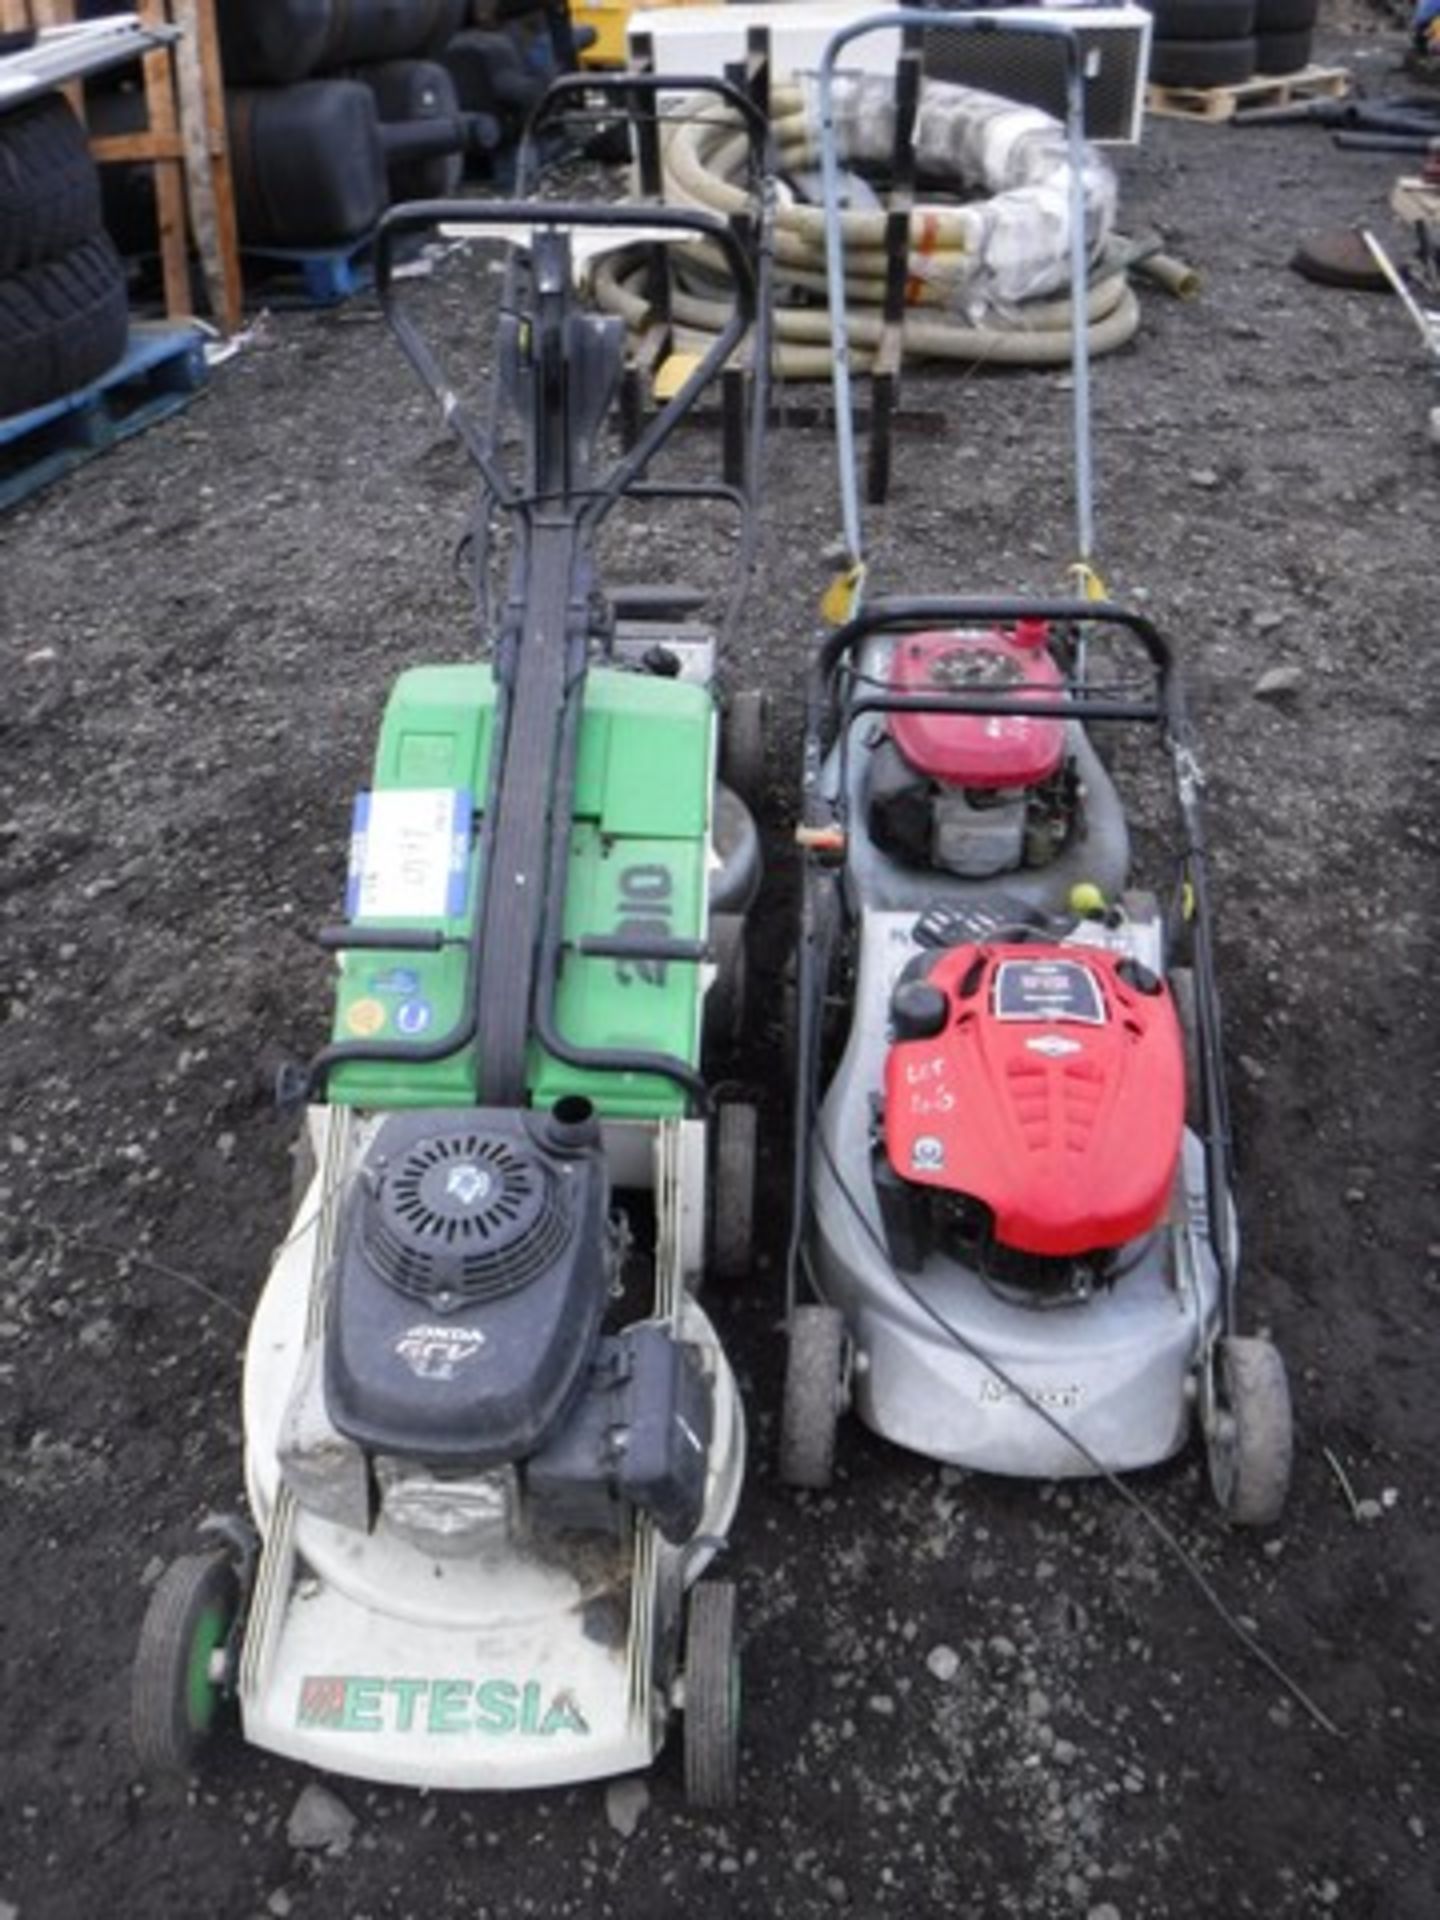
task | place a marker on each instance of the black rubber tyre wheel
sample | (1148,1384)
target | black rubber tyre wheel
(1250,1454)
(416,90)
(742,745)
(734,884)
(1203,19)
(810,1416)
(62,324)
(49,185)
(1201,63)
(724,1014)
(1282,52)
(712,1697)
(732,1217)
(1286,16)
(175,1700)
(1182,992)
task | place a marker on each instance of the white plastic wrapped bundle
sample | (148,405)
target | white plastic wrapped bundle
(1012,245)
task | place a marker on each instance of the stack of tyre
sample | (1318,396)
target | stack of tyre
(503,61)
(335,108)
(64,313)
(1221,43)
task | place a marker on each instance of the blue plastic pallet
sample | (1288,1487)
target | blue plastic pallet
(312,276)
(162,370)
(320,276)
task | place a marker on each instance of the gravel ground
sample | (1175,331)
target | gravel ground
(963,1695)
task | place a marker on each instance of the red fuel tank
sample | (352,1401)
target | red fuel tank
(978,750)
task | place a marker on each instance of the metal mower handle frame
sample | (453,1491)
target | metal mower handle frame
(911,614)
(549,105)
(496,215)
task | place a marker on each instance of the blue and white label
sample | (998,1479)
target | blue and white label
(402,981)
(409,854)
(413,1016)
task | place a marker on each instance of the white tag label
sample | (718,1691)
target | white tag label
(409,854)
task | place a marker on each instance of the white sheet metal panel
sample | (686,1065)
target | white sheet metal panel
(704,39)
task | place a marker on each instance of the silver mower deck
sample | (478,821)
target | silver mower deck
(1115,1369)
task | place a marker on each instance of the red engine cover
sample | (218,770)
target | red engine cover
(1055,1094)
(977,749)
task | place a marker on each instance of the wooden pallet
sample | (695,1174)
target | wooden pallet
(162,370)
(1221,103)
(1416,201)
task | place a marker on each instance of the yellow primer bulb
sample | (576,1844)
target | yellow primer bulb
(1086,899)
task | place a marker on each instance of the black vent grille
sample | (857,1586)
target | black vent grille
(464,1217)
(1030,69)
(960,668)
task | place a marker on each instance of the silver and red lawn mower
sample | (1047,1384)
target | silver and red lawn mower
(1015,1241)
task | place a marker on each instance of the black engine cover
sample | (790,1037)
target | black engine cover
(470,1284)
(640,1436)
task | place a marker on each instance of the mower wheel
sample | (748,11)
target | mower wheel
(175,1695)
(724,1016)
(712,1697)
(735,882)
(814,1396)
(1252,1441)
(742,744)
(1182,991)
(732,1236)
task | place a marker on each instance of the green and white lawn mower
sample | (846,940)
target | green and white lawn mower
(492,1441)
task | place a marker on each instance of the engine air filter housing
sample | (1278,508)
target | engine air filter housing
(471,1276)
(462,1216)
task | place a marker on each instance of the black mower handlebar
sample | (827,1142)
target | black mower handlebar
(413,216)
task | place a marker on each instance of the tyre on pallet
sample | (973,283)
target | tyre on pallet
(491,77)
(1250,1446)
(276,42)
(63,323)
(49,184)
(308,163)
(1202,63)
(417,91)
(177,1695)
(712,1697)
(1286,16)
(1281,53)
(814,1397)
(1203,19)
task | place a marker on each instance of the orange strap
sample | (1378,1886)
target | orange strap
(925,243)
